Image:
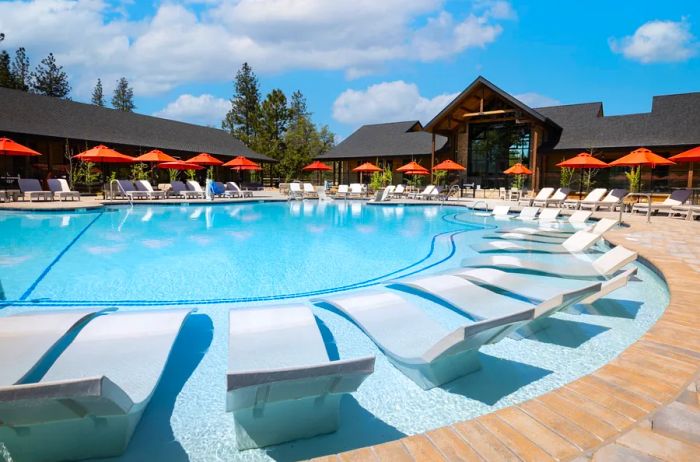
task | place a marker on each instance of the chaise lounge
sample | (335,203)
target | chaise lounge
(31,189)
(60,189)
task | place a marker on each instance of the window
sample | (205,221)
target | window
(493,148)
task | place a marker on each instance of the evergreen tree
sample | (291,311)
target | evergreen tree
(6,78)
(274,118)
(49,79)
(97,95)
(123,98)
(297,106)
(244,117)
(20,70)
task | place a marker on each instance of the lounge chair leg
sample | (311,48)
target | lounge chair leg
(530,329)
(439,372)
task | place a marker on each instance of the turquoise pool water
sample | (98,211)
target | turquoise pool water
(220,257)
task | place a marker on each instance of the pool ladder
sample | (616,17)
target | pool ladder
(453,189)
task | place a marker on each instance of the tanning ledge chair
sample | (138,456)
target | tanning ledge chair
(575,222)
(601,226)
(281,384)
(420,347)
(92,397)
(61,190)
(480,303)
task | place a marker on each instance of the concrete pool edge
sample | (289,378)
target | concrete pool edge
(609,410)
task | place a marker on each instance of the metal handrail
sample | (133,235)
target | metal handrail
(111,192)
(453,188)
(648,197)
(473,207)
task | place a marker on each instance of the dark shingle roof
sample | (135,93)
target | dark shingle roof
(31,114)
(386,140)
(673,121)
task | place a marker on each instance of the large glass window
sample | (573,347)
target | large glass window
(493,147)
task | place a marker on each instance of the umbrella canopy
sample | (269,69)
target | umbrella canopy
(583,160)
(11,148)
(317,166)
(242,163)
(416,172)
(411,167)
(449,165)
(180,165)
(691,155)
(367,167)
(104,154)
(518,169)
(643,157)
(155,156)
(205,159)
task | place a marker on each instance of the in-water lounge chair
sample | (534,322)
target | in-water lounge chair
(480,303)
(527,214)
(678,197)
(591,198)
(539,288)
(610,202)
(281,385)
(420,347)
(602,226)
(145,186)
(606,265)
(499,211)
(575,222)
(548,215)
(579,242)
(556,199)
(310,191)
(540,198)
(61,190)
(31,189)
(91,399)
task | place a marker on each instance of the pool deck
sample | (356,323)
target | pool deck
(642,406)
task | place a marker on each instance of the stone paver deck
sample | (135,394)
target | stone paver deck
(642,406)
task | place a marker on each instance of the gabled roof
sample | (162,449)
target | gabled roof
(31,114)
(386,140)
(481,81)
(673,121)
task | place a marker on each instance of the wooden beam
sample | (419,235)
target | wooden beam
(481,104)
(432,155)
(534,140)
(481,113)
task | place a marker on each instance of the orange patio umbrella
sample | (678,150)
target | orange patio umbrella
(518,169)
(367,167)
(242,163)
(104,155)
(689,156)
(154,156)
(449,165)
(416,172)
(317,166)
(582,161)
(11,148)
(411,167)
(205,159)
(180,165)
(642,157)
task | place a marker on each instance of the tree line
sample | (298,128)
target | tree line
(276,126)
(48,78)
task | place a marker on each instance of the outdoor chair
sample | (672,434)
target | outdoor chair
(539,199)
(196,188)
(295,191)
(145,186)
(611,202)
(556,199)
(31,189)
(310,191)
(591,198)
(237,191)
(61,190)
(678,197)
(127,188)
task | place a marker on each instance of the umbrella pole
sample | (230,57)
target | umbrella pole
(690,175)
(580,186)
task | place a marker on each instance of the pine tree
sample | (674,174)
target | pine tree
(6,78)
(97,95)
(49,79)
(20,70)
(274,118)
(123,98)
(244,117)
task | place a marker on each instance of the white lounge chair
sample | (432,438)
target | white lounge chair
(606,265)
(678,197)
(310,191)
(295,191)
(385,194)
(420,347)
(343,191)
(556,199)
(548,215)
(425,194)
(145,186)
(93,395)
(60,189)
(26,338)
(196,188)
(600,227)
(281,385)
(540,198)
(480,303)
(126,187)
(356,190)
(611,201)
(399,191)
(31,189)
(579,242)
(322,196)
(591,198)
(575,222)
(233,186)
(539,288)
(527,214)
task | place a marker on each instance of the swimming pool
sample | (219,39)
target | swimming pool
(226,256)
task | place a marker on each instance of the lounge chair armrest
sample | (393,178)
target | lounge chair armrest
(255,388)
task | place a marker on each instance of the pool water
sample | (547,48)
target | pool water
(220,257)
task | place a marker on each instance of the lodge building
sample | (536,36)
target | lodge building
(487,130)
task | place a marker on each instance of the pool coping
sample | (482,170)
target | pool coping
(594,411)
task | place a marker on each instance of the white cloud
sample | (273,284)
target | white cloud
(181,44)
(387,102)
(658,41)
(203,109)
(537,100)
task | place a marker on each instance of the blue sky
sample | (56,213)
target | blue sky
(366,61)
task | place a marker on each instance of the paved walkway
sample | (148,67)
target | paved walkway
(642,406)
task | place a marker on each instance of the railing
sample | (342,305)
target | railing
(648,197)
(453,189)
(473,207)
